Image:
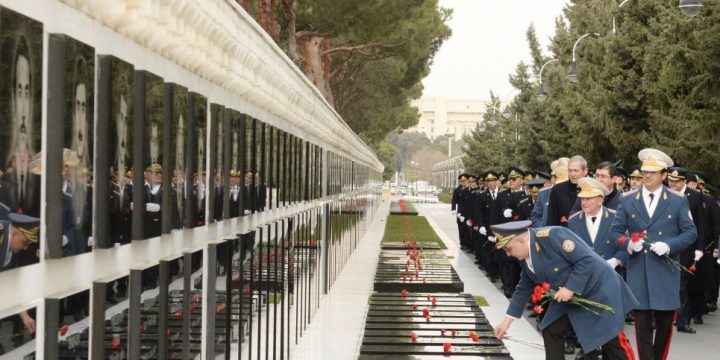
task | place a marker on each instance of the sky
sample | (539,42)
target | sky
(487,43)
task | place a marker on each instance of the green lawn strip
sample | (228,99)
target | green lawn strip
(410,228)
(445,197)
(481,301)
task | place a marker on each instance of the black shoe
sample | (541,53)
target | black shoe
(686,329)
(493,278)
(508,293)
(711,307)
(569,348)
(698,320)
(580,355)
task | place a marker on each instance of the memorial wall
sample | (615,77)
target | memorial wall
(171,185)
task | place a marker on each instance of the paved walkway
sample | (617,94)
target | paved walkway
(702,345)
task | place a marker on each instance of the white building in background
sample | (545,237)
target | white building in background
(441,116)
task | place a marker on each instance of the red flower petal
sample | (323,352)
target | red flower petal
(563,220)
(622,240)
(545,286)
(115,342)
(442,332)
(63,330)
(516,217)
(447,347)
(538,309)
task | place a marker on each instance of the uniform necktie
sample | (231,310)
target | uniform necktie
(593,219)
(652,196)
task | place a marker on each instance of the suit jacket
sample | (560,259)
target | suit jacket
(700,217)
(152,221)
(612,201)
(655,284)
(562,198)
(605,245)
(473,206)
(561,258)
(539,212)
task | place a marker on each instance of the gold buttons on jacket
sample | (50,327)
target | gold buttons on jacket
(632,216)
(660,233)
(556,269)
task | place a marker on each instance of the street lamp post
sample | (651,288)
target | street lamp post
(542,95)
(572,74)
(690,7)
(507,113)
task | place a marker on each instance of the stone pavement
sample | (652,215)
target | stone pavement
(702,345)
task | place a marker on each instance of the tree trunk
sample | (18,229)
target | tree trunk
(292,36)
(317,63)
(267,18)
(246,4)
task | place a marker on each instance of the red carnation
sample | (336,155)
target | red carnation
(115,342)
(454,333)
(442,332)
(693,268)
(635,237)
(538,309)
(545,286)
(516,217)
(535,298)
(426,312)
(192,308)
(414,306)
(168,333)
(179,314)
(622,240)
(434,301)
(447,347)
(142,328)
(413,337)
(63,330)
(403,293)
(563,220)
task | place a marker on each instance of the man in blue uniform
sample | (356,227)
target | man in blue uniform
(593,222)
(665,216)
(559,257)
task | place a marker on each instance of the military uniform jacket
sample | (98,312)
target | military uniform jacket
(492,209)
(474,206)
(539,212)
(521,204)
(455,198)
(561,258)
(605,245)
(700,217)
(462,201)
(655,284)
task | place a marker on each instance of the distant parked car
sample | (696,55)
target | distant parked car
(400,190)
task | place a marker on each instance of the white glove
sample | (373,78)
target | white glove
(65,240)
(718,261)
(507,213)
(698,255)
(483,230)
(660,248)
(492,239)
(152,207)
(462,218)
(131,206)
(715,253)
(117,244)
(469,222)
(246,212)
(635,246)
(613,262)
(458,215)
(90,242)
(453,212)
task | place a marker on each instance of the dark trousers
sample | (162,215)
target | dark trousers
(462,233)
(683,315)
(553,336)
(654,347)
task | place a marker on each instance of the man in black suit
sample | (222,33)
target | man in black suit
(605,173)
(456,199)
(564,195)
(152,216)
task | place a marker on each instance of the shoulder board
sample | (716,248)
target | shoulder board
(631,192)
(611,211)
(676,193)
(575,215)
(523,200)
(544,189)
(543,232)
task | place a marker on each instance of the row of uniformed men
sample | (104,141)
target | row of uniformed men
(665,228)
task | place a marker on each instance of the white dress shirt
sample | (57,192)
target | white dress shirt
(656,198)
(593,227)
